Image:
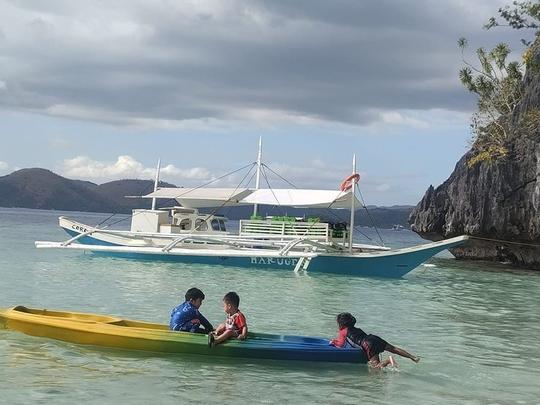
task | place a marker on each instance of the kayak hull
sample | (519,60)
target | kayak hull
(108,331)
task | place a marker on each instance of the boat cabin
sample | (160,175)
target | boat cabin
(177,220)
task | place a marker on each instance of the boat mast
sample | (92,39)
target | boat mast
(258,177)
(156,182)
(353,186)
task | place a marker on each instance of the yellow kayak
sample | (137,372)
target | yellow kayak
(109,331)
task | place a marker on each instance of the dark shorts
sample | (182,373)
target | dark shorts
(373,345)
(191,327)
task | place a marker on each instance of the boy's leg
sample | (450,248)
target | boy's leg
(388,362)
(375,362)
(224,336)
(220,329)
(195,328)
(399,351)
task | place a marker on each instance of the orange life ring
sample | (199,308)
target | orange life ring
(346,184)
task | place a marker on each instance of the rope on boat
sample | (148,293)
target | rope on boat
(353,227)
(114,213)
(369,214)
(202,185)
(226,212)
(506,241)
(214,180)
(232,195)
(106,219)
(269,186)
(251,165)
(281,177)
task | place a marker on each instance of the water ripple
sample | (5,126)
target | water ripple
(475,326)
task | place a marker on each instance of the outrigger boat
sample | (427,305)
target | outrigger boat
(183,233)
(109,331)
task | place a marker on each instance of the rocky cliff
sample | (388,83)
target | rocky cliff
(497,200)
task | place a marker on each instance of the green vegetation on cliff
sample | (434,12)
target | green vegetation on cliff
(498,83)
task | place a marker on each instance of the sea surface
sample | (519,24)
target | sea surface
(475,326)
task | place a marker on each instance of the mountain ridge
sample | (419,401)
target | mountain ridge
(43,189)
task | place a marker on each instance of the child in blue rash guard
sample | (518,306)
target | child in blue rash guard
(372,345)
(186,316)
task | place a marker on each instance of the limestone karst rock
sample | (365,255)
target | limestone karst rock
(493,200)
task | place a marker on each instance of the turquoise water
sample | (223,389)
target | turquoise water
(476,327)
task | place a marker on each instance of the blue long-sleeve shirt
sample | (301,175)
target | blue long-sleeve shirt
(186,317)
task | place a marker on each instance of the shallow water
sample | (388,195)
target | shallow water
(476,327)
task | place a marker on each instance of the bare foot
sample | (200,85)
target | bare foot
(416,359)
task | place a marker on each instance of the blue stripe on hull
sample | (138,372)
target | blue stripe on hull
(379,267)
(392,266)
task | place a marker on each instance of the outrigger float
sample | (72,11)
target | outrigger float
(113,332)
(182,233)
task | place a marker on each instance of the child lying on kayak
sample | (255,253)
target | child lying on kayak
(186,316)
(372,345)
(235,326)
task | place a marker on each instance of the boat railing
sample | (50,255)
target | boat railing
(315,231)
(156,235)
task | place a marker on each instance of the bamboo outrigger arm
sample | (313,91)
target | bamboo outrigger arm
(198,239)
(289,246)
(79,236)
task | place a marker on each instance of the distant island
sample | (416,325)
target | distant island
(42,189)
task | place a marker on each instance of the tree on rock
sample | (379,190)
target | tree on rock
(498,83)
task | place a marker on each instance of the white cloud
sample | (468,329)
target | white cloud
(83,167)
(164,63)
(403,119)
(3,166)
(315,174)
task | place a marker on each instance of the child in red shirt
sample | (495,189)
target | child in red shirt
(372,345)
(235,325)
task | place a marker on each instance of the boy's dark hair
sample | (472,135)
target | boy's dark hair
(232,298)
(345,320)
(193,294)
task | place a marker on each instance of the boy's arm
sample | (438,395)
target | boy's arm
(341,339)
(241,324)
(244,333)
(205,323)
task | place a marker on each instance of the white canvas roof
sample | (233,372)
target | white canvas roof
(202,197)
(215,197)
(301,198)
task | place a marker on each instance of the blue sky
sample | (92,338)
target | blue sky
(100,93)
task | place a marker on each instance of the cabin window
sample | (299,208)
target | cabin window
(218,225)
(185,224)
(201,225)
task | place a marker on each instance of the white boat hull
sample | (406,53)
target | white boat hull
(378,263)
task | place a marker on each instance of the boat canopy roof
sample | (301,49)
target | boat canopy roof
(292,197)
(216,197)
(202,197)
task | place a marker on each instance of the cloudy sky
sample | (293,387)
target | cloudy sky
(99,90)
